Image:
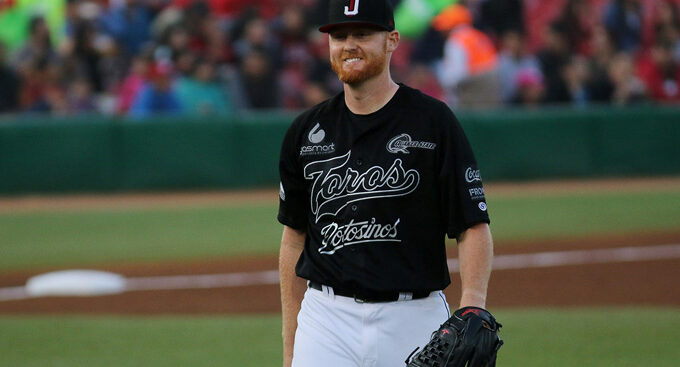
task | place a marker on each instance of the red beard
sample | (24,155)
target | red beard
(374,65)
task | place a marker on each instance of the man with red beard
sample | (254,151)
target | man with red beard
(372,181)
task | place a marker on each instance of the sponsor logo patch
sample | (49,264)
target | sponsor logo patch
(401,143)
(317,149)
(472,175)
(482,206)
(476,193)
(316,135)
(337,236)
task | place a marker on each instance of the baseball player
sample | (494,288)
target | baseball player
(372,180)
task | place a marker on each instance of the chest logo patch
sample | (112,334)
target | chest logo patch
(401,143)
(316,135)
(336,184)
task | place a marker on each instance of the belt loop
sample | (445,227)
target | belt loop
(405,296)
(328,291)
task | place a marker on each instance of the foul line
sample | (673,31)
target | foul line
(579,257)
(501,262)
(202,281)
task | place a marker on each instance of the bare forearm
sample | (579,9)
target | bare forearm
(475,254)
(292,289)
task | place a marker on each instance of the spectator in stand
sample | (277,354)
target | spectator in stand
(293,80)
(429,48)
(600,86)
(575,75)
(33,86)
(132,84)
(514,59)
(72,16)
(498,17)
(206,34)
(258,81)
(267,54)
(628,88)
(80,98)
(297,57)
(320,69)
(38,47)
(187,40)
(667,24)
(200,94)
(258,36)
(623,19)
(661,73)
(291,29)
(553,58)
(87,52)
(530,88)
(231,8)
(469,68)
(185,62)
(422,78)
(129,23)
(158,95)
(177,40)
(578,15)
(87,55)
(41,89)
(55,92)
(113,65)
(9,84)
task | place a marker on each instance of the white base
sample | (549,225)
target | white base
(75,283)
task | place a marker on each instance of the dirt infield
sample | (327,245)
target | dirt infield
(639,282)
(647,282)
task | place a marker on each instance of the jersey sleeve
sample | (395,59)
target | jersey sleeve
(292,190)
(463,203)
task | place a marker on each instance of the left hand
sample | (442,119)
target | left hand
(469,336)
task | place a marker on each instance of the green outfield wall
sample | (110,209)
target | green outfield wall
(45,154)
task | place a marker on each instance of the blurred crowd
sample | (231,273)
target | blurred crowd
(141,57)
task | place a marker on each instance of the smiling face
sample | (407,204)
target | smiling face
(359,53)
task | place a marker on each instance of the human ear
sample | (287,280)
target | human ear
(392,41)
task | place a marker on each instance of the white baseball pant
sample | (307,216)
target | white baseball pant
(337,331)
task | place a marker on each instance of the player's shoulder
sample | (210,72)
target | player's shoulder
(427,106)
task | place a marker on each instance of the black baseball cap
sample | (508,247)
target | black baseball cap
(361,12)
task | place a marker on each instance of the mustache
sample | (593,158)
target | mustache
(350,54)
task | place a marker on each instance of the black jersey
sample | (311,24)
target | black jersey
(378,193)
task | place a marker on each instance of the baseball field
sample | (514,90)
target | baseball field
(586,275)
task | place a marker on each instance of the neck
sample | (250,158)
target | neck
(370,95)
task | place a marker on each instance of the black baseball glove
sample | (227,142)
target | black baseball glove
(468,338)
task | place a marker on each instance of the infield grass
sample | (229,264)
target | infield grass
(91,236)
(533,338)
